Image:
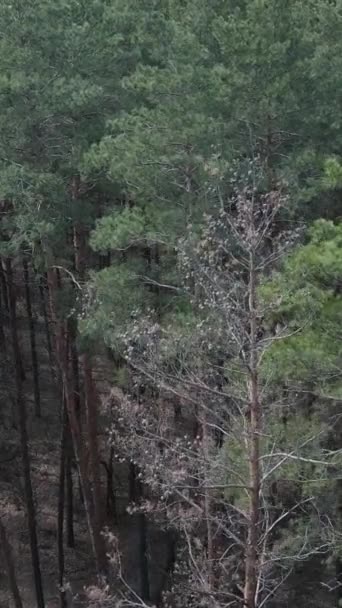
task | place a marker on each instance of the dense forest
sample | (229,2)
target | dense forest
(170,303)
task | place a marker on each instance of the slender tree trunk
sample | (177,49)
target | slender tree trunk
(43,287)
(91,401)
(76,385)
(32,340)
(9,565)
(207,509)
(4,289)
(91,493)
(143,552)
(169,567)
(2,330)
(83,472)
(110,493)
(132,483)
(69,492)
(63,351)
(135,495)
(22,420)
(338,559)
(253,440)
(60,513)
(72,333)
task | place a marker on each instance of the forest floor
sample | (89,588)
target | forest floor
(44,449)
(44,445)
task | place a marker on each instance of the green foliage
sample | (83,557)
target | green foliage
(301,438)
(114,294)
(119,230)
(136,226)
(308,293)
(333,173)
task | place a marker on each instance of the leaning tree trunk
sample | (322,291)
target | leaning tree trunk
(9,565)
(22,421)
(32,339)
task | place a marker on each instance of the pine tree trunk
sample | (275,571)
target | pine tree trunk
(9,565)
(132,483)
(83,473)
(63,351)
(2,330)
(110,493)
(72,332)
(22,420)
(76,384)
(62,341)
(69,492)
(338,559)
(91,493)
(32,340)
(143,552)
(42,291)
(253,440)
(135,495)
(207,508)
(169,567)
(4,289)
(60,513)
(91,401)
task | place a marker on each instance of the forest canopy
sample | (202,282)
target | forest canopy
(170,303)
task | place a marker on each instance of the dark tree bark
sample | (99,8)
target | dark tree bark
(143,553)
(2,330)
(9,565)
(43,287)
(62,342)
(136,495)
(22,421)
(111,510)
(76,384)
(111,500)
(35,370)
(81,462)
(169,567)
(91,401)
(69,491)
(132,494)
(338,560)
(72,333)
(4,290)
(60,512)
